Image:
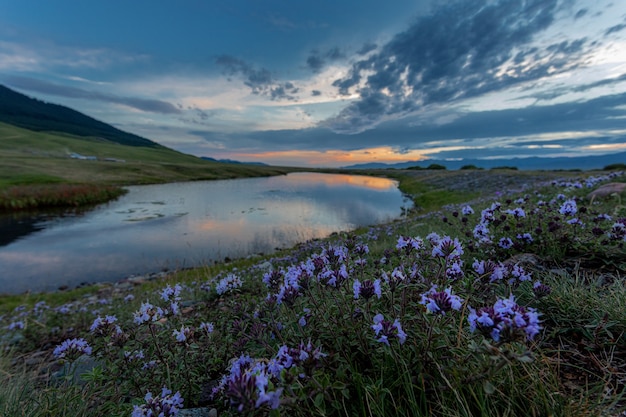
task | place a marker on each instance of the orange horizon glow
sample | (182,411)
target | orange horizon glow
(384,154)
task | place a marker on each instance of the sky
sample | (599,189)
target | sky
(332,83)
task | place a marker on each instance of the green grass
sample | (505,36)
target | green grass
(39,158)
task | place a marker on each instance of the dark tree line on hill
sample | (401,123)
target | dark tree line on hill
(29,113)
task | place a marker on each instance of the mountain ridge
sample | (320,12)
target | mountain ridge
(529,163)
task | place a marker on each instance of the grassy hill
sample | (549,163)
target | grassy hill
(29,113)
(40,157)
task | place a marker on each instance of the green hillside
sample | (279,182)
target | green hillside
(29,113)
(40,157)
(38,139)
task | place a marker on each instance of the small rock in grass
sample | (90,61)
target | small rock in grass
(607,190)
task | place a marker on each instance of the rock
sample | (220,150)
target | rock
(607,190)
(526,260)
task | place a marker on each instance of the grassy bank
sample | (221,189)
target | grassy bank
(35,163)
(506,305)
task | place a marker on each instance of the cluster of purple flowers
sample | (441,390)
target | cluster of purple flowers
(288,284)
(16,325)
(166,405)
(505,321)
(447,248)
(252,384)
(497,271)
(569,208)
(183,335)
(105,326)
(409,244)
(207,327)
(385,329)
(72,349)
(366,289)
(441,301)
(148,313)
(228,283)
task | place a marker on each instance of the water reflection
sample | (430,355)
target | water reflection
(172,226)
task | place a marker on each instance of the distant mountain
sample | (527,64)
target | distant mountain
(531,163)
(29,113)
(230,161)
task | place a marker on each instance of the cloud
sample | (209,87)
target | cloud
(615,29)
(41,55)
(147,105)
(581,13)
(561,123)
(318,60)
(259,80)
(462,50)
(367,48)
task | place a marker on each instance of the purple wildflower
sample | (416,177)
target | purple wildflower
(305,318)
(148,313)
(409,243)
(170,293)
(505,243)
(164,406)
(525,237)
(454,271)
(105,326)
(505,321)
(441,301)
(207,327)
(568,208)
(541,290)
(72,349)
(481,232)
(16,325)
(618,230)
(467,210)
(518,212)
(448,248)
(519,273)
(182,335)
(228,283)
(385,329)
(367,289)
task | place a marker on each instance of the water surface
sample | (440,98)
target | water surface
(173,226)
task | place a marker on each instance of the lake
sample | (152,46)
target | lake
(180,225)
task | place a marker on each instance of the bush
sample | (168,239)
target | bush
(470,167)
(505,167)
(614,167)
(436,166)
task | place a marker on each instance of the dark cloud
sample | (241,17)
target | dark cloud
(316,93)
(581,13)
(459,51)
(259,80)
(31,84)
(615,29)
(473,129)
(318,60)
(601,83)
(562,90)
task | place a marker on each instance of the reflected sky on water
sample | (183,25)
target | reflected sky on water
(179,225)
